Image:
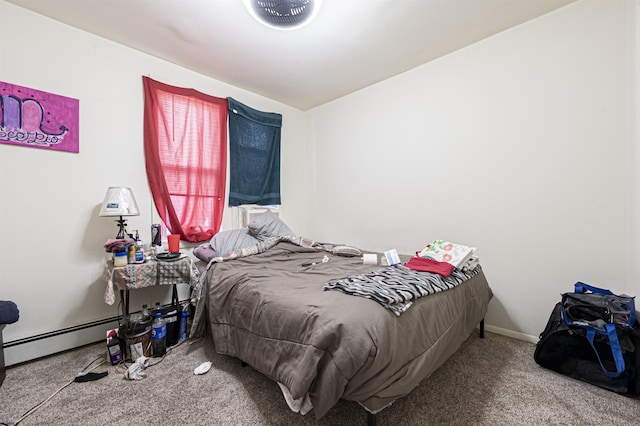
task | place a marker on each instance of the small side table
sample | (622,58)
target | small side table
(152,272)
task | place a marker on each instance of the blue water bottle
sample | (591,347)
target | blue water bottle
(159,335)
(183,325)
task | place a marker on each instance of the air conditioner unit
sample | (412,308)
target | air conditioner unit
(243,215)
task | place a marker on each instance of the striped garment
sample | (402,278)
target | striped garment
(396,288)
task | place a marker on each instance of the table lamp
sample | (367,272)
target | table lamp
(120,201)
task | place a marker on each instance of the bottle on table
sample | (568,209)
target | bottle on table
(139,249)
(159,336)
(131,254)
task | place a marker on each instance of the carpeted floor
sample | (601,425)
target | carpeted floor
(491,381)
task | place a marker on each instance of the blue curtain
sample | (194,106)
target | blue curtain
(254,155)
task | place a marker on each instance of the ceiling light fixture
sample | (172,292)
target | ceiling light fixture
(283,14)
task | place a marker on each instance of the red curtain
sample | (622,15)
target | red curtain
(185,146)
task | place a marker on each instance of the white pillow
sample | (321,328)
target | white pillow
(227,241)
(268,225)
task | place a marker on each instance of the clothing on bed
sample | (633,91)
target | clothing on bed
(397,288)
(204,252)
(429,265)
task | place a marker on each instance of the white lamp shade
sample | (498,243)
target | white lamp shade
(119,201)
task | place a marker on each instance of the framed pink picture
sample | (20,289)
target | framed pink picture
(37,119)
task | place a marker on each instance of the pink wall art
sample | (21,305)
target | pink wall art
(30,117)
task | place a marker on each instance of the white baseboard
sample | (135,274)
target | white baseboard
(23,352)
(510,333)
(34,347)
(38,348)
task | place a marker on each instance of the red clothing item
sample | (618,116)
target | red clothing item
(428,265)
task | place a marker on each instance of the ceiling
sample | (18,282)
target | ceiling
(351,44)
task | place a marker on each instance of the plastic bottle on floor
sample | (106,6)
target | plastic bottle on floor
(183,325)
(159,335)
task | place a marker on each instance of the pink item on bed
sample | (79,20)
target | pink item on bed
(427,265)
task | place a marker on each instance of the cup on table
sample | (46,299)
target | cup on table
(174,243)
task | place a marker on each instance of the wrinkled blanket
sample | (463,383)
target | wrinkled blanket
(260,247)
(270,311)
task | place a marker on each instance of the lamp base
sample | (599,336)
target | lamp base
(122,232)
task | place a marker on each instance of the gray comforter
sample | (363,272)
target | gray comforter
(273,313)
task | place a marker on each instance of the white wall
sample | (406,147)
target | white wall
(522,145)
(51,256)
(519,145)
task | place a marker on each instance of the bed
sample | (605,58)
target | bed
(268,306)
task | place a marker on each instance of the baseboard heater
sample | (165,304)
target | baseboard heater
(45,344)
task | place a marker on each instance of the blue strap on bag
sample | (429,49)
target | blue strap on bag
(616,351)
(581,287)
(601,319)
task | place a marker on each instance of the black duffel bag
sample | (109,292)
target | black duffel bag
(592,335)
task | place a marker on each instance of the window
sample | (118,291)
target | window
(185,144)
